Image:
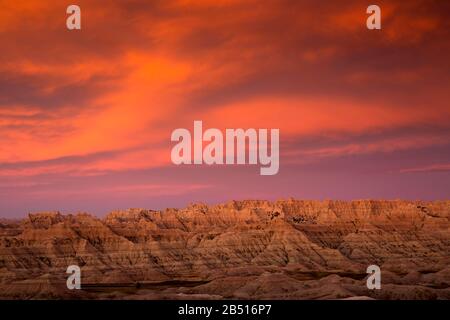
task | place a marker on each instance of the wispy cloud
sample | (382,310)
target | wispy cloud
(443,167)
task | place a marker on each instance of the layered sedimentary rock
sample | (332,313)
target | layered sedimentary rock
(288,249)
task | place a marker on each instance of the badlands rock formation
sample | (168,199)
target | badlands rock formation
(287,249)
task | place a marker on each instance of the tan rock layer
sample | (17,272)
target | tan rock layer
(268,242)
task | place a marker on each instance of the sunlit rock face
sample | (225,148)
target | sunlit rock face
(288,249)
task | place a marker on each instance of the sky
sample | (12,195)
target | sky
(86,115)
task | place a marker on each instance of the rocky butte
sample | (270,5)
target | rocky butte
(288,249)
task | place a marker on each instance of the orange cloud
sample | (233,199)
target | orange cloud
(136,72)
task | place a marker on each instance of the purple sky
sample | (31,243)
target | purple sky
(86,116)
